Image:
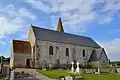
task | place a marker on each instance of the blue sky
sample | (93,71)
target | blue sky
(99,19)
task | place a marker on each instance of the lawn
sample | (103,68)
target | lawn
(1,77)
(57,73)
(101,76)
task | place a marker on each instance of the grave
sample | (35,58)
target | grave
(78,69)
(72,68)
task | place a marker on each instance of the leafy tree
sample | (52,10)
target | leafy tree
(1,59)
(118,64)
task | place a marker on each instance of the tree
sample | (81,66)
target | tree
(1,58)
(118,64)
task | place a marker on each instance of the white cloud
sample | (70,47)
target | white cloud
(78,13)
(38,5)
(23,36)
(13,19)
(111,5)
(72,13)
(112,47)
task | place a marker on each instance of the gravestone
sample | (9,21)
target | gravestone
(62,78)
(78,69)
(12,75)
(44,65)
(69,78)
(0,67)
(97,71)
(118,70)
(50,66)
(72,68)
(78,78)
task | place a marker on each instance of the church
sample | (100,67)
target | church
(55,47)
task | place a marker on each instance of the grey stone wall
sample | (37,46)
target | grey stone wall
(104,60)
(20,59)
(75,52)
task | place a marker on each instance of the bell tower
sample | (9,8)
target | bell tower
(59,26)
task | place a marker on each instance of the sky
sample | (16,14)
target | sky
(98,19)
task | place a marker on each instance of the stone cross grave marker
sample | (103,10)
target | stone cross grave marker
(78,69)
(72,68)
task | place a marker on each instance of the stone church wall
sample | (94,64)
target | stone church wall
(20,59)
(59,53)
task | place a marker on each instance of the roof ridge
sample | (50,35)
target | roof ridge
(53,35)
(20,40)
(60,32)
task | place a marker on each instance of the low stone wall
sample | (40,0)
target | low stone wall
(71,78)
(21,76)
(118,70)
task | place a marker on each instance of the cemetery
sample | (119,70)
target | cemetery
(109,73)
(72,71)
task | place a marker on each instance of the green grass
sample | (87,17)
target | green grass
(101,76)
(105,70)
(1,77)
(55,74)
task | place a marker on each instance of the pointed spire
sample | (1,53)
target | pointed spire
(60,26)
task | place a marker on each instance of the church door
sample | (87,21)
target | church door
(28,63)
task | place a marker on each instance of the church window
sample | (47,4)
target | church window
(51,50)
(83,53)
(67,52)
(37,46)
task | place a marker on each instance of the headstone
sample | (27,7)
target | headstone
(44,65)
(68,78)
(98,70)
(72,68)
(50,66)
(62,78)
(78,78)
(118,70)
(116,65)
(0,67)
(12,75)
(78,69)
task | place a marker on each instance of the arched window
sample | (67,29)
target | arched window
(73,54)
(51,50)
(83,53)
(67,52)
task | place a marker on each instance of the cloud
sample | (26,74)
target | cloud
(78,13)
(71,12)
(112,47)
(24,36)
(13,19)
(38,5)
(2,43)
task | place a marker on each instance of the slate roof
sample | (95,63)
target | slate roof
(55,36)
(95,56)
(21,46)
